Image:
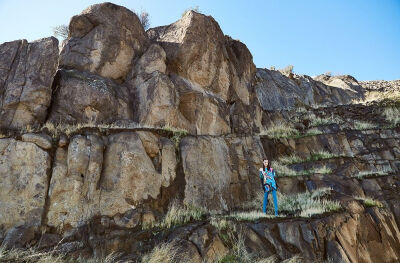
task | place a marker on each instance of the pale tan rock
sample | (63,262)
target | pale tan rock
(24,171)
(42,140)
(148,218)
(104,39)
(74,194)
(220,174)
(198,51)
(82,97)
(216,250)
(128,178)
(26,77)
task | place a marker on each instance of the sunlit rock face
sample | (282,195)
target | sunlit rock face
(26,76)
(104,39)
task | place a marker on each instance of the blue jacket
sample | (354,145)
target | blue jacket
(270,173)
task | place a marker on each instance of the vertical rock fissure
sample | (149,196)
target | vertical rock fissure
(46,207)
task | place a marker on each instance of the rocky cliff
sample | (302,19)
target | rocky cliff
(106,139)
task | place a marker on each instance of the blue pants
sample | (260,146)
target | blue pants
(265,204)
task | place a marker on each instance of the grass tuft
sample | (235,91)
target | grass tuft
(362,125)
(392,115)
(168,253)
(369,202)
(280,130)
(179,214)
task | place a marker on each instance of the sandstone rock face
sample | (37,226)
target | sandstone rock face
(198,51)
(26,76)
(220,173)
(276,91)
(104,39)
(82,97)
(108,176)
(24,171)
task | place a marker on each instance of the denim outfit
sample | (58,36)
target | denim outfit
(269,186)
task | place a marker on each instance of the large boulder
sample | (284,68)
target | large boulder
(220,173)
(198,51)
(108,176)
(104,39)
(162,99)
(24,173)
(26,77)
(84,97)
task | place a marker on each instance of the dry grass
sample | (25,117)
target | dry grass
(308,203)
(56,129)
(363,125)
(303,204)
(392,115)
(318,121)
(32,256)
(179,214)
(363,174)
(369,202)
(280,130)
(293,158)
(219,223)
(283,170)
(167,253)
(240,254)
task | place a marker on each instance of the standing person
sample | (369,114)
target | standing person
(267,177)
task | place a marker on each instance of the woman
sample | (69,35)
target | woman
(267,176)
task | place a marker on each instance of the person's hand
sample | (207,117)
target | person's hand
(261,169)
(269,177)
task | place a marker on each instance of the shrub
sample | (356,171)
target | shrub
(196,9)
(144,19)
(61,31)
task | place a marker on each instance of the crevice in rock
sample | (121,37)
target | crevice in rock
(52,153)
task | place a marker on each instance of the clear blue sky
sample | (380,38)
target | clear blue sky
(356,37)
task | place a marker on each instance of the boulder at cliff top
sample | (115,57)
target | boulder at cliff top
(198,51)
(82,97)
(26,76)
(104,39)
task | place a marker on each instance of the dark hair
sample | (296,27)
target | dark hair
(268,166)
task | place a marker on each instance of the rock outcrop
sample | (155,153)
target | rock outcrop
(109,176)
(276,91)
(26,76)
(82,97)
(104,39)
(96,151)
(24,172)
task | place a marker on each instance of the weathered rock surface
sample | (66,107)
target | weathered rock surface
(220,173)
(82,97)
(42,140)
(276,91)
(24,172)
(198,51)
(104,39)
(108,176)
(26,76)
